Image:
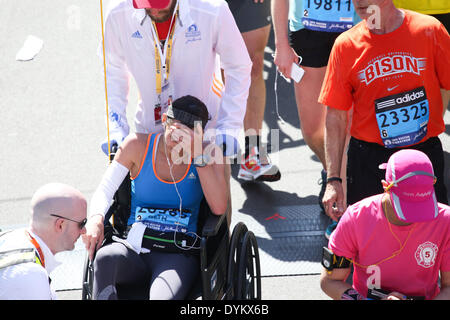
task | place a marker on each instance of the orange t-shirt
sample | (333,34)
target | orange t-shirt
(379,75)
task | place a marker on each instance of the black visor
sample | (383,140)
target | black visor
(186,118)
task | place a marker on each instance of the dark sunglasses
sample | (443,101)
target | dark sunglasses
(81,224)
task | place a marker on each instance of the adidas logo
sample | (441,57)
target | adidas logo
(136,35)
(192,176)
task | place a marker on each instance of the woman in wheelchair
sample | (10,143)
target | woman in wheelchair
(169,178)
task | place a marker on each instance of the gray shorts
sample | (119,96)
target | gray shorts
(250,15)
(169,276)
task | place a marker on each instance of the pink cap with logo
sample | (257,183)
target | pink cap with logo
(411,178)
(147,4)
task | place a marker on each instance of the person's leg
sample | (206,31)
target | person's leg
(256,41)
(314,48)
(312,113)
(116,264)
(312,117)
(254,165)
(173,274)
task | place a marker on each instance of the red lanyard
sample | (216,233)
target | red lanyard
(38,248)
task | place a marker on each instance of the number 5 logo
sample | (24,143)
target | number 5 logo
(426,254)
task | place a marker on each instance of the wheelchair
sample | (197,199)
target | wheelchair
(229,266)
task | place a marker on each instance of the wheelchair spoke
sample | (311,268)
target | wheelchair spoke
(249,278)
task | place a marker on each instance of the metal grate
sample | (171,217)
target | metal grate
(290,241)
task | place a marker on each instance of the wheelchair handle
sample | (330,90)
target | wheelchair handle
(114,148)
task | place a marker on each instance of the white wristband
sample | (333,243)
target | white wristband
(103,195)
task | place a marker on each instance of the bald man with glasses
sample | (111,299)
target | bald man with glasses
(58,217)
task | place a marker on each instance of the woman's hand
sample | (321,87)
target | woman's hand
(93,237)
(284,57)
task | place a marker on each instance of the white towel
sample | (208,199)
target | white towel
(134,238)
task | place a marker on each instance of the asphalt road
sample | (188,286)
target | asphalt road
(53,120)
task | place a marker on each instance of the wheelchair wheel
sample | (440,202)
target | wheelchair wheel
(248,286)
(233,257)
(86,293)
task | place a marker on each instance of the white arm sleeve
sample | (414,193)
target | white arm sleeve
(111,181)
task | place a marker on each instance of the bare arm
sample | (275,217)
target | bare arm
(126,159)
(335,134)
(284,54)
(333,283)
(212,176)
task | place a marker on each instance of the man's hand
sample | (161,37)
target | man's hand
(333,200)
(93,237)
(116,136)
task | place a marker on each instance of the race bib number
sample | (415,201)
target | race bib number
(403,118)
(163,220)
(328,15)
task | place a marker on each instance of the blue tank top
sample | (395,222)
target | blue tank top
(155,202)
(322,15)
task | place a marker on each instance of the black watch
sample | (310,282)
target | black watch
(201,161)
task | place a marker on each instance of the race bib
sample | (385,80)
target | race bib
(164,220)
(403,118)
(328,15)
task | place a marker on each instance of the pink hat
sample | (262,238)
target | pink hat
(156,4)
(411,177)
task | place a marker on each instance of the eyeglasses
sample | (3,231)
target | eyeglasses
(81,224)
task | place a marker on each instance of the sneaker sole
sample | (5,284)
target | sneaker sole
(264,176)
(270,177)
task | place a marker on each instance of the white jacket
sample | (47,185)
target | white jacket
(205,30)
(26,281)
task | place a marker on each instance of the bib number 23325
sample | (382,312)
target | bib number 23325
(403,118)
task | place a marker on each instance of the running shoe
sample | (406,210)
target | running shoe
(253,170)
(330,229)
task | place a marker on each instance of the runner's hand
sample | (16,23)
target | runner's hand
(283,59)
(333,200)
(184,137)
(93,237)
